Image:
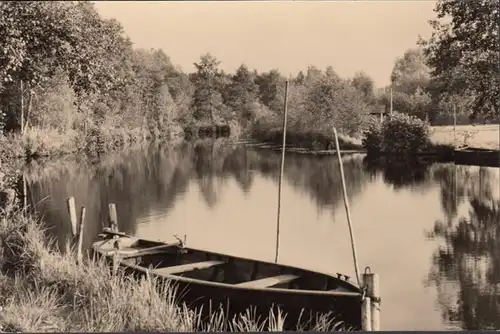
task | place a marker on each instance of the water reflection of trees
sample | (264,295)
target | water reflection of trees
(144,181)
(136,181)
(470,257)
(317,176)
(399,173)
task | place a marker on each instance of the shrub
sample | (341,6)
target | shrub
(372,140)
(398,134)
(94,140)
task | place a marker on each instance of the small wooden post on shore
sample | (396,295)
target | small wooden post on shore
(113,224)
(80,235)
(371,282)
(77,228)
(70,204)
(112,217)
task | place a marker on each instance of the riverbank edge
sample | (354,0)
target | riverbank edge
(443,153)
(436,153)
(296,144)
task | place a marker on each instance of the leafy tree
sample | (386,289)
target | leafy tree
(37,38)
(410,72)
(418,104)
(330,73)
(365,85)
(298,117)
(463,52)
(421,103)
(152,72)
(241,93)
(313,75)
(300,78)
(410,80)
(208,81)
(271,89)
(331,102)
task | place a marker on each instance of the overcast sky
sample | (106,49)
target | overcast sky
(288,35)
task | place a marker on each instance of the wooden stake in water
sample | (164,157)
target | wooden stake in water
(285,114)
(346,204)
(80,235)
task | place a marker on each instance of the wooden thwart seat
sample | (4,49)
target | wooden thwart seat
(268,281)
(186,267)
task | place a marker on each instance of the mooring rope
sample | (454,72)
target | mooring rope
(346,204)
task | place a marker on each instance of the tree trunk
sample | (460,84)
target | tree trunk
(28,111)
(22,106)
(210,102)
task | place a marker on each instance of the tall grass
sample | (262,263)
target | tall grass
(42,289)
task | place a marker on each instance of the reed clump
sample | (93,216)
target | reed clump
(44,290)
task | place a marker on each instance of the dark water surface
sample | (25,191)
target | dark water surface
(430,231)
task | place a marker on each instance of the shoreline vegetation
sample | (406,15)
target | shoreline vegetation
(98,93)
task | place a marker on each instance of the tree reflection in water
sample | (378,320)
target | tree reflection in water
(144,181)
(466,267)
(469,260)
(399,173)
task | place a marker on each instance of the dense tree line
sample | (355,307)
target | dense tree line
(65,68)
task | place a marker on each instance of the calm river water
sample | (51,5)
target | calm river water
(430,231)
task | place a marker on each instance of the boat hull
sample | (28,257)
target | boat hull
(300,307)
(236,286)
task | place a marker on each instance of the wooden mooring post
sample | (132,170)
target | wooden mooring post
(79,251)
(366,316)
(77,228)
(370,311)
(113,225)
(112,217)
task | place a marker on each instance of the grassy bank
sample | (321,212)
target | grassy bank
(473,136)
(43,290)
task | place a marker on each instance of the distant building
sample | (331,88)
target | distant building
(379,113)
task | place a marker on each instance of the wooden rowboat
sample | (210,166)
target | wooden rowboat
(210,280)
